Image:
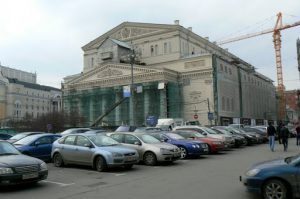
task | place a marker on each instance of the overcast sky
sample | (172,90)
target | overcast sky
(46,36)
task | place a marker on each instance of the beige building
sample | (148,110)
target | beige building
(179,75)
(20,95)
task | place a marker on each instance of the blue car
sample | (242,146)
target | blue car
(278,178)
(187,147)
(38,145)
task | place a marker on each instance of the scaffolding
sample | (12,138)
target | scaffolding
(92,103)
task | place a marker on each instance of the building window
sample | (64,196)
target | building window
(92,61)
(170,49)
(229,69)
(221,66)
(165,48)
(225,69)
(152,50)
(156,49)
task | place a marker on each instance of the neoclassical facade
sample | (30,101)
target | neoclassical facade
(20,95)
(176,74)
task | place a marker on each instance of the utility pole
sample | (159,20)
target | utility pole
(132,59)
(210,121)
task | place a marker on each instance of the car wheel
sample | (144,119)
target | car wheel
(100,164)
(275,189)
(183,152)
(128,166)
(150,159)
(58,160)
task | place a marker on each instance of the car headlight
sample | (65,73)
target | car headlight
(165,151)
(252,172)
(43,167)
(194,146)
(5,171)
(117,155)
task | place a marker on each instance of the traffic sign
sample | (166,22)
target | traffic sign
(195,116)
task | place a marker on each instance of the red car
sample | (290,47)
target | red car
(214,144)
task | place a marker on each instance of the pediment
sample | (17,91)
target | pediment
(111,71)
(129,30)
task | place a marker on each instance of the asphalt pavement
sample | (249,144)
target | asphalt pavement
(208,177)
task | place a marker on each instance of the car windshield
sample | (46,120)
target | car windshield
(175,136)
(222,131)
(292,159)
(190,134)
(148,139)
(208,130)
(102,140)
(8,149)
(26,140)
(18,136)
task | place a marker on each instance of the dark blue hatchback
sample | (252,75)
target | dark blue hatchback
(38,146)
(278,178)
(187,147)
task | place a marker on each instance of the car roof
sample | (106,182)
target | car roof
(28,133)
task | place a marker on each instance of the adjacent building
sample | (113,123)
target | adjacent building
(293,106)
(176,74)
(21,96)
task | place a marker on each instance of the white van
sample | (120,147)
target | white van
(166,124)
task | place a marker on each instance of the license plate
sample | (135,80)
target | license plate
(30,176)
(205,149)
(130,158)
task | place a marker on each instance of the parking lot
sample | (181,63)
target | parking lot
(209,177)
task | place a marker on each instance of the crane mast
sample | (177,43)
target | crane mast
(277,45)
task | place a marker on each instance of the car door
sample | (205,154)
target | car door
(84,150)
(67,149)
(133,142)
(42,147)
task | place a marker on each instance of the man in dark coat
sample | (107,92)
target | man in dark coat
(298,134)
(284,137)
(278,130)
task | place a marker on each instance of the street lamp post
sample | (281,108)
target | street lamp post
(132,57)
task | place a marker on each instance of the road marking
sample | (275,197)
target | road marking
(58,183)
(117,174)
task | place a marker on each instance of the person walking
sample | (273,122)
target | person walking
(271,134)
(298,134)
(285,136)
(278,130)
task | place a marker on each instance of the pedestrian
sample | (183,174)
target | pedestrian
(285,136)
(278,130)
(298,134)
(271,134)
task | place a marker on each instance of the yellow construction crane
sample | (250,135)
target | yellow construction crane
(277,45)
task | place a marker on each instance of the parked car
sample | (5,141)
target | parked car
(16,168)
(96,150)
(4,136)
(187,147)
(100,131)
(250,139)
(150,149)
(262,133)
(207,132)
(278,178)
(20,136)
(147,129)
(38,146)
(214,145)
(238,140)
(75,130)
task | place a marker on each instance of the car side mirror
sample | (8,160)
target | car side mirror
(191,138)
(204,133)
(89,145)
(137,143)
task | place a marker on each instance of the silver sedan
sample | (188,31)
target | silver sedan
(150,149)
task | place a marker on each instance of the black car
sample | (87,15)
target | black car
(4,136)
(16,168)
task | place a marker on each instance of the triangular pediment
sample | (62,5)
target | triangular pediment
(128,31)
(112,71)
